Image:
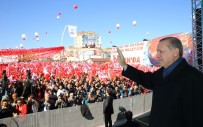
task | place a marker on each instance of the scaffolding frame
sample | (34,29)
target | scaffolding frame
(197,16)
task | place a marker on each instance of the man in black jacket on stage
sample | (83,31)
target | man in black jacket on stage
(108,108)
(177,87)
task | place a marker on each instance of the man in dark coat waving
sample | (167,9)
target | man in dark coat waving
(177,87)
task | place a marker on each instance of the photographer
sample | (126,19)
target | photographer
(27,85)
(46,103)
(4,83)
(60,103)
(32,104)
(5,110)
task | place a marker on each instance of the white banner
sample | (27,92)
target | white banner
(72,31)
(134,53)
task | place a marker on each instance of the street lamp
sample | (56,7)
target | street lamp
(63,34)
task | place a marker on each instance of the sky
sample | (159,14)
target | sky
(157,17)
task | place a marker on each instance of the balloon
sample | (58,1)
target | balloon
(36,35)
(134,23)
(117,26)
(109,31)
(59,13)
(37,39)
(46,32)
(147,33)
(23,36)
(58,17)
(21,45)
(75,6)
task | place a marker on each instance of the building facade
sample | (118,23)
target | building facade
(88,48)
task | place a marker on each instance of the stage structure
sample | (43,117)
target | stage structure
(197,33)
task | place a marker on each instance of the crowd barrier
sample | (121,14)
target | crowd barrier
(72,117)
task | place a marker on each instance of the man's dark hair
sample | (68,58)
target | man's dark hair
(4,77)
(3,125)
(3,72)
(28,73)
(108,91)
(128,115)
(174,43)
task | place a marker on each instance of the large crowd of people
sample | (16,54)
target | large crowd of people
(39,93)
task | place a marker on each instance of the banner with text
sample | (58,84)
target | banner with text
(136,53)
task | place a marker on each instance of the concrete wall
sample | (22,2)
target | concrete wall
(71,116)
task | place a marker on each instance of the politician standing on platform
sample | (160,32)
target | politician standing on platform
(177,87)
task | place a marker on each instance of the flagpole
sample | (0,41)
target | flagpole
(63,34)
